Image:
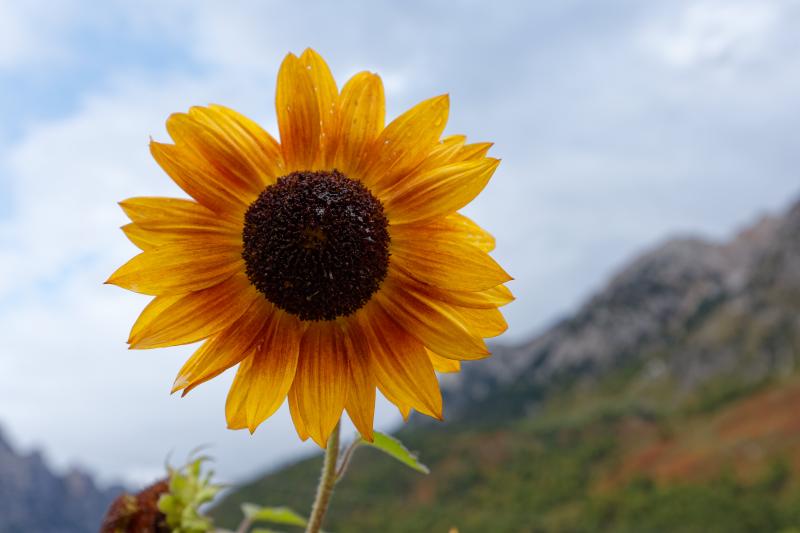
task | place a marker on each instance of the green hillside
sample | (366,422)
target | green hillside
(593,464)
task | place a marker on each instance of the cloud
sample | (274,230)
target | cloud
(714,32)
(31,31)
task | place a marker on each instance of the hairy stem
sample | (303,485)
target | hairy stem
(327,480)
(244,527)
(346,456)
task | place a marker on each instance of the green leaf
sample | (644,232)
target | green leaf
(262,530)
(276,515)
(206,494)
(189,489)
(166,503)
(395,448)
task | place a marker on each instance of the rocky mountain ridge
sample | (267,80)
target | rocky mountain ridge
(35,499)
(660,299)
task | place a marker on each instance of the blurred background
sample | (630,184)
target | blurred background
(666,381)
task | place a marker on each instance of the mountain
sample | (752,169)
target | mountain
(690,312)
(35,499)
(670,401)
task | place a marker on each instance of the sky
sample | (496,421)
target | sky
(619,123)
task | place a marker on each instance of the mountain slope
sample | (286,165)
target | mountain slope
(668,401)
(34,499)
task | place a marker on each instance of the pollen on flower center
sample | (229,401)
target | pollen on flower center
(316,244)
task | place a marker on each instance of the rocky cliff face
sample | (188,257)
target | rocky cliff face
(34,499)
(715,308)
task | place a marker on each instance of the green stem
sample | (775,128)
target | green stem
(327,480)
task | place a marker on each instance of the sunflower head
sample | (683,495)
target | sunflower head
(316,244)
(137,512)
(326,266)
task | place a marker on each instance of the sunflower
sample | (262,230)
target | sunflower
(324,266)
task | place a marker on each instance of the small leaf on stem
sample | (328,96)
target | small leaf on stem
(275,515)
(395,448)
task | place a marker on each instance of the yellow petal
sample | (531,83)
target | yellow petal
(450,150)
(466,229)
(483,322)
(439,192)
(147,239)
(179,268)
(236,403)
(219,145)
(260,153)
(273,368)
(499,296)
(226,348)
(438,259)
(267,148)
(459,227)
(494,297)
(322,379)
(405,410)
(442,154)
(158,213)
(402,407)
(406,141)
(143,239)
(443,364)
(204,184)
(294,410)
(156,306)
(327,94)
(360,402)
(401,365)
(473,151)
(360,119)
(298,115)
(487,299)
(198,315)
(433,323)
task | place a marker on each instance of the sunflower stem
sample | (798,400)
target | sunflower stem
(327,480)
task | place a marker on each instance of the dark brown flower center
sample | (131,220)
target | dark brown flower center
(316,244)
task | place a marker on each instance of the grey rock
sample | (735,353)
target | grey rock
(35,499)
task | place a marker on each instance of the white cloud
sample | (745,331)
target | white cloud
(713,32)
(32,31)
